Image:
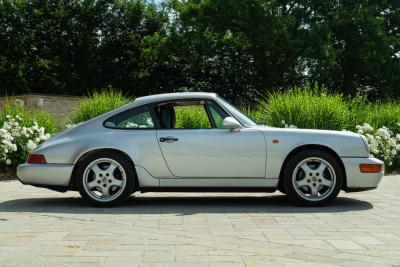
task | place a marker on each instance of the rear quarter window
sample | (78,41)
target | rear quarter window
(136,118)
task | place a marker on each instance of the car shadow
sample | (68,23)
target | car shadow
(181,205)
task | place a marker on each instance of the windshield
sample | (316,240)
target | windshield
(243,119)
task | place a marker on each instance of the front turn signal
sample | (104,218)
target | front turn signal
(370,168)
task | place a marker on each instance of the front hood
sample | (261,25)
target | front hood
(344,143)
(307,131)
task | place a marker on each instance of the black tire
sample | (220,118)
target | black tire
(129,175)
(296,197)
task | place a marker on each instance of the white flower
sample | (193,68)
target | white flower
(31,145)
(8,161)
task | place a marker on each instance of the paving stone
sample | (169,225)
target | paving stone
(186,229)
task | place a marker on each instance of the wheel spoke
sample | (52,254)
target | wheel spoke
(302,182)
(93,184)
(95,168)
(105,191)
(321,168)
(325,181)
(116,182)
(314,191)
(306,168)
(112,167)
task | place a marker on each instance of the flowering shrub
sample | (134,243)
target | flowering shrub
(382,142)
(17,139)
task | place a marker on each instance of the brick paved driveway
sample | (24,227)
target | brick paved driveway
(43,228)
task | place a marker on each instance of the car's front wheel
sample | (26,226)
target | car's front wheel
(105,179)
(312,178)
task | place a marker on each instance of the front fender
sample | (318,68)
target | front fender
(281,142)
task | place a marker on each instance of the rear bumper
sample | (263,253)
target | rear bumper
(358,181)
(45,174)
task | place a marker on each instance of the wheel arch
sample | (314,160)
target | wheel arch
(87,153)
(312,146)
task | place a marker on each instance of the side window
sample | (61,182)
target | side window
(135,118)
(217,114)
(192,117)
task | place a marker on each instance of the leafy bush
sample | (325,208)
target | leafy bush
(28,117)
(191,117)
(19,136)
(311,108)
(97,104)
(377,114)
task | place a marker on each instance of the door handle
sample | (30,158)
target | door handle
(168,139)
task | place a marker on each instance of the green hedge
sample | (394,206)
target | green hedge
(310,108)
(97,104)
(313,107)
(28,116)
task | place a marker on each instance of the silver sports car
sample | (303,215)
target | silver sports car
(198,142)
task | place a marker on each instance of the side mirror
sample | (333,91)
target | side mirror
(231,123)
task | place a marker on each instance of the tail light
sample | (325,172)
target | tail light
(36,159)
(370,168)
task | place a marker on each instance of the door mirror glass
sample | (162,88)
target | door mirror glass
(231,123)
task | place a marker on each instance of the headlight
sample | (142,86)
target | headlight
(365,143)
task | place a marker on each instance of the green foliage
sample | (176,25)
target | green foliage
(29,116)
(376,114)
(97,104)
(21,130)
(237,48)
(191,117)
(310,107)
(314,108)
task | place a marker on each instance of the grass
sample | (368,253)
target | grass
(28,116)
(376,114)
(311,108)
(97,104)
(191,117)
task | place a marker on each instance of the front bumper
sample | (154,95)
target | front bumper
(358,181)
(45,174)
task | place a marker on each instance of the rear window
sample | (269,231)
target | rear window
(137,118)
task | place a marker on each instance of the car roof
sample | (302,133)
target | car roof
(172,96)
(144,100)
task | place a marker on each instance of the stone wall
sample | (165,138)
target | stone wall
(57,105)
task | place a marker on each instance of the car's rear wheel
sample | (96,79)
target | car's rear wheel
(105,178)
(312,178)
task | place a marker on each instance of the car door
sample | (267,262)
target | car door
(205,151)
